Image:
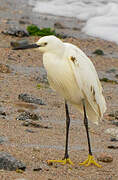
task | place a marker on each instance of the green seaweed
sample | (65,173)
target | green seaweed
(108,80)
(33,30)
(98,52)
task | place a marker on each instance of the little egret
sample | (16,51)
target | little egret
(72,74)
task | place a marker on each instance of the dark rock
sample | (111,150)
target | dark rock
(98,52)
(116,76)
(23,21)
(31,123)
(27,115)
(30,99)
(111,114)
(113,147)
(37,169)
(16,32)
(30,131)
(58,25)
(113,139)
(2,112)
(3,139)
(104,157)
(114,114)
(114,122)
(8,162)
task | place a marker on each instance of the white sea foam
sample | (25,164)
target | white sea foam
(101,16)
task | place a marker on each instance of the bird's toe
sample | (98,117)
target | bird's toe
(90,161)
(63,162)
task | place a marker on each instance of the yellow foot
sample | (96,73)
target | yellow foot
(90,161)
(63,162)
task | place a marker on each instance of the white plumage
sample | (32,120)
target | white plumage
(72,74)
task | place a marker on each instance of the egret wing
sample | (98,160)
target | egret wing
(87,80)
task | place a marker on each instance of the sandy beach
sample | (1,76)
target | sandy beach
(20,72)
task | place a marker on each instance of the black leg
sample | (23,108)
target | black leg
(67,130)
(86,126)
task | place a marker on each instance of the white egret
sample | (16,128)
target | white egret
(72,74)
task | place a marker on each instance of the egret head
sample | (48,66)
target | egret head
(45,44)
(49,44)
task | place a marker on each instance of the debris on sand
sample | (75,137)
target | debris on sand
(8,162)
(30,99)
(104,157)
(27,115)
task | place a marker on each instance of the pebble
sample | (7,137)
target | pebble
(30,99)
(16,32)
(98,52)
(4,68)
(8,162)
(104,157)
(114,114)
(27,115)
(37,169)
(3,139)
(112,131)
(114,122)
(2,111)
(113,147)
(58,25)
(113,139)
(30,131)
(34,124)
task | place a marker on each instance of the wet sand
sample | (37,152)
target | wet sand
(34,149)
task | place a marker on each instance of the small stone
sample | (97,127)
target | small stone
(111,114)
(23,22)
(112,131)
(27,115)
(105,158)
(30,99)
(34,124)
(113,139)
(4,68)
(30,131)
(36,149)
(114,122)
(113,147)
(37,169)
(3,139)
(98,52)
(8,162)
(58,25)
(16,32)
(116,76)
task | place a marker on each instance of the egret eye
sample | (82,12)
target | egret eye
(45,43)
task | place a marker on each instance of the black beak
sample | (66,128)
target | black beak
(29,46)
(23,45)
